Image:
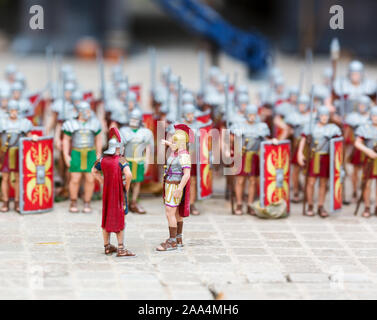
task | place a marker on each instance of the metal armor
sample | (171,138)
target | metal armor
(322,135)
(83,133)
(355,119)
(369,133)
(12,131)
(252,134)
(174,167)
(135,142)
(297,121)
(65,110)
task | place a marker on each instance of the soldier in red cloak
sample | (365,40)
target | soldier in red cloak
(114,200)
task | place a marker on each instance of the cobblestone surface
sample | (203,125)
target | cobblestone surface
(60,255)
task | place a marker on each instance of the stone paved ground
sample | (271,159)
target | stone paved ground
(60,255)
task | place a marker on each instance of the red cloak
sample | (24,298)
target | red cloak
(113,194)
(184,206)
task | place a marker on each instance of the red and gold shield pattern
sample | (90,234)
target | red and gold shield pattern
(275,173)
(38,131)
(204,168)
(336,172)
(36,175)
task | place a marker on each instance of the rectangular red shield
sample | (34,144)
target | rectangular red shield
(151,123)
(274,172)
(39,108)
(336,174)
(36,175)
(203,161)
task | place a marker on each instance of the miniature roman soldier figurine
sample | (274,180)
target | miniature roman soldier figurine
(357,158)
(366,142)
(252,133)
(137,149)
(177,186)
(317,136)
(12,129)
(82,145)
(113,167)
(296,121)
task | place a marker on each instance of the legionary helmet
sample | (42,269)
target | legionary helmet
(303,99)
(188,108)
(13,105)
(323,110)
(77,95)
(69,86)
(373,111)
(355,66)
(83,106)
(188,98)
(365,100)
(136,114)
(10,69)
(16,86)
(251,109)
(4,93)
(243,98)
(132,97)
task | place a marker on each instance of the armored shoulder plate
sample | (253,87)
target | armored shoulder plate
(332,130)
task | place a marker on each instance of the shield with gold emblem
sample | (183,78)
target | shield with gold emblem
(203,144)
(36,175)
(336,174)
(274,173)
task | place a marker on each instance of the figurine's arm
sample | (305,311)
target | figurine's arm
(97,175)
(66,147)
(98,144)
(58,142)
(52,122)
(362,147)
(128,174)
(300,152)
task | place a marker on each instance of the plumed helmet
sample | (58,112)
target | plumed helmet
(355,66)
(122,87)
(17,86)
(188,98)
(373,111)
(132,97)
(251,109)
(136,114)
(114,142)
(77,95)
(69,86)
(323,110)
(13,105)
(83,106)
(243,98)
(10,69)
(365,100)
(303,99)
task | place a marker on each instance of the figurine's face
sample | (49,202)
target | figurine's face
(302,107)
(134,123)
(123,95)
(4,103)
(280,88)
(67,95)
(243,107)
(362,108)
(13,114)
(190,117)
(131,105)
(324,118)
(374,120)
(16,95)
(117,151)
(355,77)
(251,117)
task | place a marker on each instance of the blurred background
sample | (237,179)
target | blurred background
(129,26)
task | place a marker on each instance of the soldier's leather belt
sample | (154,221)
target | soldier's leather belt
(172,182)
